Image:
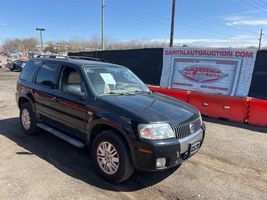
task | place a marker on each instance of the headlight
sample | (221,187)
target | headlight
(155,131)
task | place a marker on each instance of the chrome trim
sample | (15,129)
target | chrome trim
(185,142)
(183,130)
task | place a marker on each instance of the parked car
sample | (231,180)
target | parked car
(111,111)
(17,65)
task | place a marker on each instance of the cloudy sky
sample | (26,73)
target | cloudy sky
(215,23)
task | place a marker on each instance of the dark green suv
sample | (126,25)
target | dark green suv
(111,111)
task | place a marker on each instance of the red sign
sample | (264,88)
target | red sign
(202,74)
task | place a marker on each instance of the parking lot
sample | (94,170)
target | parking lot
(232,164)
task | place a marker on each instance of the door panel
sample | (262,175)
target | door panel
(69,112)
(71,117)
(43,104)
(44,90)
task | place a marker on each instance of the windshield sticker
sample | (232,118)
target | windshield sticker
(108,78)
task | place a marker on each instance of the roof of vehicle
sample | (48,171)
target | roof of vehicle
(82,62)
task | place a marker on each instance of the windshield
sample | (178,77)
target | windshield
(114,80)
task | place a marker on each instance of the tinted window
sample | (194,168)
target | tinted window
(47,75)
(69,76)
(29,71)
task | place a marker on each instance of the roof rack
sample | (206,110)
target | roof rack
(70,57)
(51,56)
(86,58)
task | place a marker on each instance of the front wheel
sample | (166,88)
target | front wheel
(111,157)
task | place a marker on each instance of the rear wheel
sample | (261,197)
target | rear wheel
(111,157)
(27,119)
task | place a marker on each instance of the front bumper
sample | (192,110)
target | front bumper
(175,151)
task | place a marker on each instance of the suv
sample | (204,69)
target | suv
(110,110)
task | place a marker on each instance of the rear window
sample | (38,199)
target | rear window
(28,71)
(47,75)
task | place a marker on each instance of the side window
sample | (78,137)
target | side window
(29,71)
(69,76)
(46,75)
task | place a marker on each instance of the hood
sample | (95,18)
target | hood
(153,107)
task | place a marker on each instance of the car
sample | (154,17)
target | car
(17,65)
(108,109)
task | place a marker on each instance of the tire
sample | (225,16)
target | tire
(121,157)
(27,119)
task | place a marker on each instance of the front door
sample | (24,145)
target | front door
(70,113)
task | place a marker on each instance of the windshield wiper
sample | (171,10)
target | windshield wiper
(130,93)
(114,93)
(120,93)
(142,92)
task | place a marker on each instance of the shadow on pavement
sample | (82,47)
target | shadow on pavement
(236,124)
(70,160)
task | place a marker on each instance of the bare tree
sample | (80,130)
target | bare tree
(93,44)
(12,45)
(29,44)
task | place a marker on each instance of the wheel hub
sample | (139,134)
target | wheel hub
(107,157)
(26,119)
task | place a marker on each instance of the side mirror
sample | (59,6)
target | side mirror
(75,90)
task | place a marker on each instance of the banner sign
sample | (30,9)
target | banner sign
(220,71)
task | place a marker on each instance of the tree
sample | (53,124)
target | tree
(29,44)
(50,47)
(12,45)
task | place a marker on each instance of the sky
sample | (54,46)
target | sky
(213,23)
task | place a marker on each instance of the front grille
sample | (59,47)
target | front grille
(183,130)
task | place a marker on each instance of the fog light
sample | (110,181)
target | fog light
(161,162)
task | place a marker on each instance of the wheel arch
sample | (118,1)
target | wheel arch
(23,100)
(102,126)
(26,96)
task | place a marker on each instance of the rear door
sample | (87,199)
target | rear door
(44,90)
(70,113)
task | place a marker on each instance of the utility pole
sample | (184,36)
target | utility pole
(260,40)
(172,22)
(41,36)
(102,43)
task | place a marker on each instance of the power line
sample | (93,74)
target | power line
(150,14)
(136,15)
(260,4)
(160,19)
(118,2)
(155,3)
(184,26)
(202,20)
(79,2)
(254,6)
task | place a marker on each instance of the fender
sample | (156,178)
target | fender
(27,94)
(123,126)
